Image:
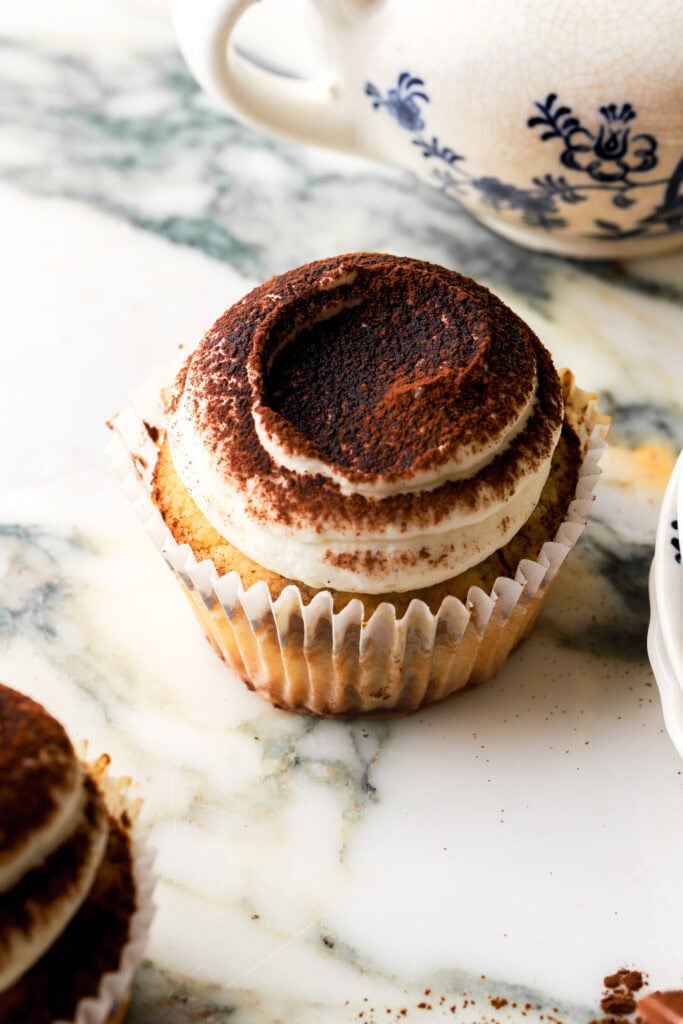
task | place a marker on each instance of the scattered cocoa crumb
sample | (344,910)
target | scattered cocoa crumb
(608,1020)
(631,980)
(152,431)
(618,1004)
(618,1001)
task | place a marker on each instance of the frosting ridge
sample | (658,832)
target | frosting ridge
(367,422)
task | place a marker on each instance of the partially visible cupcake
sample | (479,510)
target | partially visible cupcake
(75,886)
(379,471)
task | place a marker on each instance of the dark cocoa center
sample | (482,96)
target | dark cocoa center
(386,381)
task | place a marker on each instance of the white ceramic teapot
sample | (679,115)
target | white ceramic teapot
(560,125)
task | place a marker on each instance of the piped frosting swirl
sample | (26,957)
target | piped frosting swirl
(367,423)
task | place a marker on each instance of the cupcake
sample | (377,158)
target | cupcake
(366,477)
(74,885)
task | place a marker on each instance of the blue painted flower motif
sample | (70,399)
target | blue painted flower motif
(611,155)
(675,542)
(667,216)
(433,148)
(608,158)
(612,140)
(560,188)
(401,102)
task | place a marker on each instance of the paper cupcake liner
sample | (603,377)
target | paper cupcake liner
(110,1004)
(310,659)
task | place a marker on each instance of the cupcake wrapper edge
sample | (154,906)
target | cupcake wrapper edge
(110,1004)
(310,659)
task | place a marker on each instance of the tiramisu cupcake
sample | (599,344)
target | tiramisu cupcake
(74,888)
(379,472)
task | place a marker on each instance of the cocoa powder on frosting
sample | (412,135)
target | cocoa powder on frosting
(423,364)
(73,966)
(400,379)
(58,875)
(37,763)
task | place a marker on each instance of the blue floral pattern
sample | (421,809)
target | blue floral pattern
(611,157)
(401,102)
(675,542)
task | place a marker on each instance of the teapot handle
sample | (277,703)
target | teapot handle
(315,111)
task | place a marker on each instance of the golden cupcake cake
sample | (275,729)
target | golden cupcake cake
(369,472)
(74,890)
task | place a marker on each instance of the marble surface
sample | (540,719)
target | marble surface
(515,844)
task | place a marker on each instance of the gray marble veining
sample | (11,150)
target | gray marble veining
(508,848)
(136,138)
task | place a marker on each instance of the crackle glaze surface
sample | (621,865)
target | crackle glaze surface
(515,844)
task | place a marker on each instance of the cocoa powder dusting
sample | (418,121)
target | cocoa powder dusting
(89,946)
(396,381)
(656,1008)
(632,981)
(152,431)
(618,1001)
(23,906)
(37,765)
(414,362)
(617,1004)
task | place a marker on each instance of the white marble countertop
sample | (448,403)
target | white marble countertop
(517,843)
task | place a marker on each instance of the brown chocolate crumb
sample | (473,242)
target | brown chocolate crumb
(152,431)
(619,1004)
(631,980)
(498,1002)
(618,1001)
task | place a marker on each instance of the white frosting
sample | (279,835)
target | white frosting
(370,531)
(469,461)
(21,948)
(40,844)
(401,555)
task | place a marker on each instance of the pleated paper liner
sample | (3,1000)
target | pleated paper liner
(309,659)
(110,1003)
